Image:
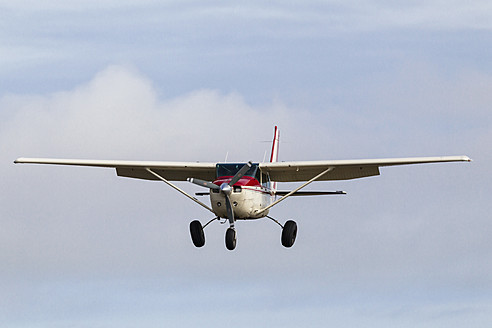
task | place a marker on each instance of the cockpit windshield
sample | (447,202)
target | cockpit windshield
(230,169)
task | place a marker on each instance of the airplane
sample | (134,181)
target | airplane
(247,191)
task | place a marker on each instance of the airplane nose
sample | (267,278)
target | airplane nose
(226,189)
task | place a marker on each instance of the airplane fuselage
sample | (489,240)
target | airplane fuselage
(248,198)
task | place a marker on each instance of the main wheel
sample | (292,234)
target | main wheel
(289,233)
(197,234)
(230,239)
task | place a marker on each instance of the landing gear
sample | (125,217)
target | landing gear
(197,234)
(289,233)
(230,239)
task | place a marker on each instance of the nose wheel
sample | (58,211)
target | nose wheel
(230,239)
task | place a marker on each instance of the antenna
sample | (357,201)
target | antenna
(227,155)
(264,156)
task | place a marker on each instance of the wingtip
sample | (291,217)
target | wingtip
(23,160)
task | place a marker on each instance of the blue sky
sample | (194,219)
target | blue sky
(189,80)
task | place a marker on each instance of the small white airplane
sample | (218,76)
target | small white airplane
(247,191)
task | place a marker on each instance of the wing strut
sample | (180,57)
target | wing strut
(331,168)
(179,189)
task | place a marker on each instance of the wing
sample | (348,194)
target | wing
(173,171)
(343,169)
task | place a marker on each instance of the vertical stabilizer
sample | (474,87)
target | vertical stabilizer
(274,155)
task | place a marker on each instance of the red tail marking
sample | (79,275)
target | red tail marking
(274,155)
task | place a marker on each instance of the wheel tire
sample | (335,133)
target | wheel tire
(230,239)
(289,233)
(197,234)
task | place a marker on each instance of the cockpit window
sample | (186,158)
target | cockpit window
(230,169)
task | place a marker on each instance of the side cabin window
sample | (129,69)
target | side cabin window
(230,169)
(265,180)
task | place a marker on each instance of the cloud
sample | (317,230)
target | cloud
(76,223)
(118,114)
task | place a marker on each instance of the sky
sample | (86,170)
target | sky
(205,80)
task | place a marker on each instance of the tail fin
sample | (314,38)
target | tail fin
(274,156)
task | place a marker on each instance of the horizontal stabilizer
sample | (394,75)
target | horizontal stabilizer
(298,193)
(311,193)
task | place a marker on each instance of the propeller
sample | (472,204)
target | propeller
(204,183)
(225,188)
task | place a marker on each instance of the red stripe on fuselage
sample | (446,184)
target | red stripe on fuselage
(244,181)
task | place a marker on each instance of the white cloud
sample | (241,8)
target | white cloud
(116,115)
